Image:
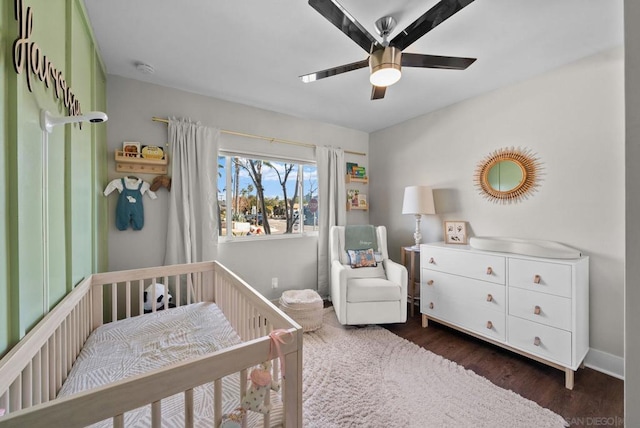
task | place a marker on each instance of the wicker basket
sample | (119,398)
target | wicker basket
(304,306)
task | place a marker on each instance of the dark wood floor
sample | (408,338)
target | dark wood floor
(596,400)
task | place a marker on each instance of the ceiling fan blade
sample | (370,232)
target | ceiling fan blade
(435,61)
(338,16)
(312,77)
(377,92)
(427,22)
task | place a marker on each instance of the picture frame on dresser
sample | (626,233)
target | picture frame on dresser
(455,232)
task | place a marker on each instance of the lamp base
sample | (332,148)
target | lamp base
(417,236)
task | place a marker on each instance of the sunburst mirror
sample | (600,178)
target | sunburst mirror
(508,175)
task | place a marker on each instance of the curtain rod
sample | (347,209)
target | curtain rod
(259,137)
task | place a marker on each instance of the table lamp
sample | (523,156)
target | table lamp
(418,200)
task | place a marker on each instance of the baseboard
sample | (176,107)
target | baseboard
(606,363)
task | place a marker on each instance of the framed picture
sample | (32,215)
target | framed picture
(455,232)
(131,149)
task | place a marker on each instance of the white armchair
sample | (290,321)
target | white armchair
(366,295)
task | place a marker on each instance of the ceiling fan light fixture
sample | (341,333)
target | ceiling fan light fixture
(385,65)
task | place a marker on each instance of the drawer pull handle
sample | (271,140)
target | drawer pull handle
(489,325)
(489,270)
(536,279)
(430,305)
(489,298)
(430,282)
(536,341)
(537,310)
(432,261)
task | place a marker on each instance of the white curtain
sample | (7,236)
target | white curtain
(332,206)
(192,229)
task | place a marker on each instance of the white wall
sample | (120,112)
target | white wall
(632,156)
(573,118)
(132,104)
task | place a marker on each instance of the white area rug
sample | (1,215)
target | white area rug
(369,377)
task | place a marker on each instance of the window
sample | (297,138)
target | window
(261,197)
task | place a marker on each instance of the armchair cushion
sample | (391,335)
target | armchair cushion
(373,272)
(372,290)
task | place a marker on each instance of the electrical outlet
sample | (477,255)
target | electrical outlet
(274,282)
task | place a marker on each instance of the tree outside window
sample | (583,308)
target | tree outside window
(266,197)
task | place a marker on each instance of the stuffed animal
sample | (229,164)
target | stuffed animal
(159,297)
(161,181)
(261,382)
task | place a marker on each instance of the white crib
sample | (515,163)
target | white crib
(32,373)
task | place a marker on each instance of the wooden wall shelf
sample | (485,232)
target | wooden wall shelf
(351,179)
(141,165)
(352,208)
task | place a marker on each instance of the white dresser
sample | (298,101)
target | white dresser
(534,306)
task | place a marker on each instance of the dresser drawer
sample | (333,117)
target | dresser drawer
(484,321)
(464,263)
(546,277)
(543,308)
(541,340)
(471,291)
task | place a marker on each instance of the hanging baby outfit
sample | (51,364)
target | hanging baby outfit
(129,210)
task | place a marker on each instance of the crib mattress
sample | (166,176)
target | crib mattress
(148,342)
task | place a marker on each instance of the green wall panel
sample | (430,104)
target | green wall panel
(80,165)
(32,188)
(5,298)
(101,229)
(56,49)
(47,191)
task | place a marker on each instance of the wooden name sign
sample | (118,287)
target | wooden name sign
(27,56)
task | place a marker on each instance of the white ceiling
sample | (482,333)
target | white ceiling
(252,51)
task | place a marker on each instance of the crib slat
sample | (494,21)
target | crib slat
(199,286)
(69,332)
(243,388)
(27,378)
(52,366)
(156,414)
(83,322)
(59,358)
(97,298)
(127,287)
(165,297)
(153,296)
(188,408)
(37,378)
(178,287)
(189,285)
(44,370)
(118,421)
(217,402)
(64,349)
(114,301)
(76,334)
(15,395)
(140,297)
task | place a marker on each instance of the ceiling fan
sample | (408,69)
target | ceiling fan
(386,59)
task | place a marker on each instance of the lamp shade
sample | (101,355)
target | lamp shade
(418,200)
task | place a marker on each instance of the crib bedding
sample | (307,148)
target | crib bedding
(141,344)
